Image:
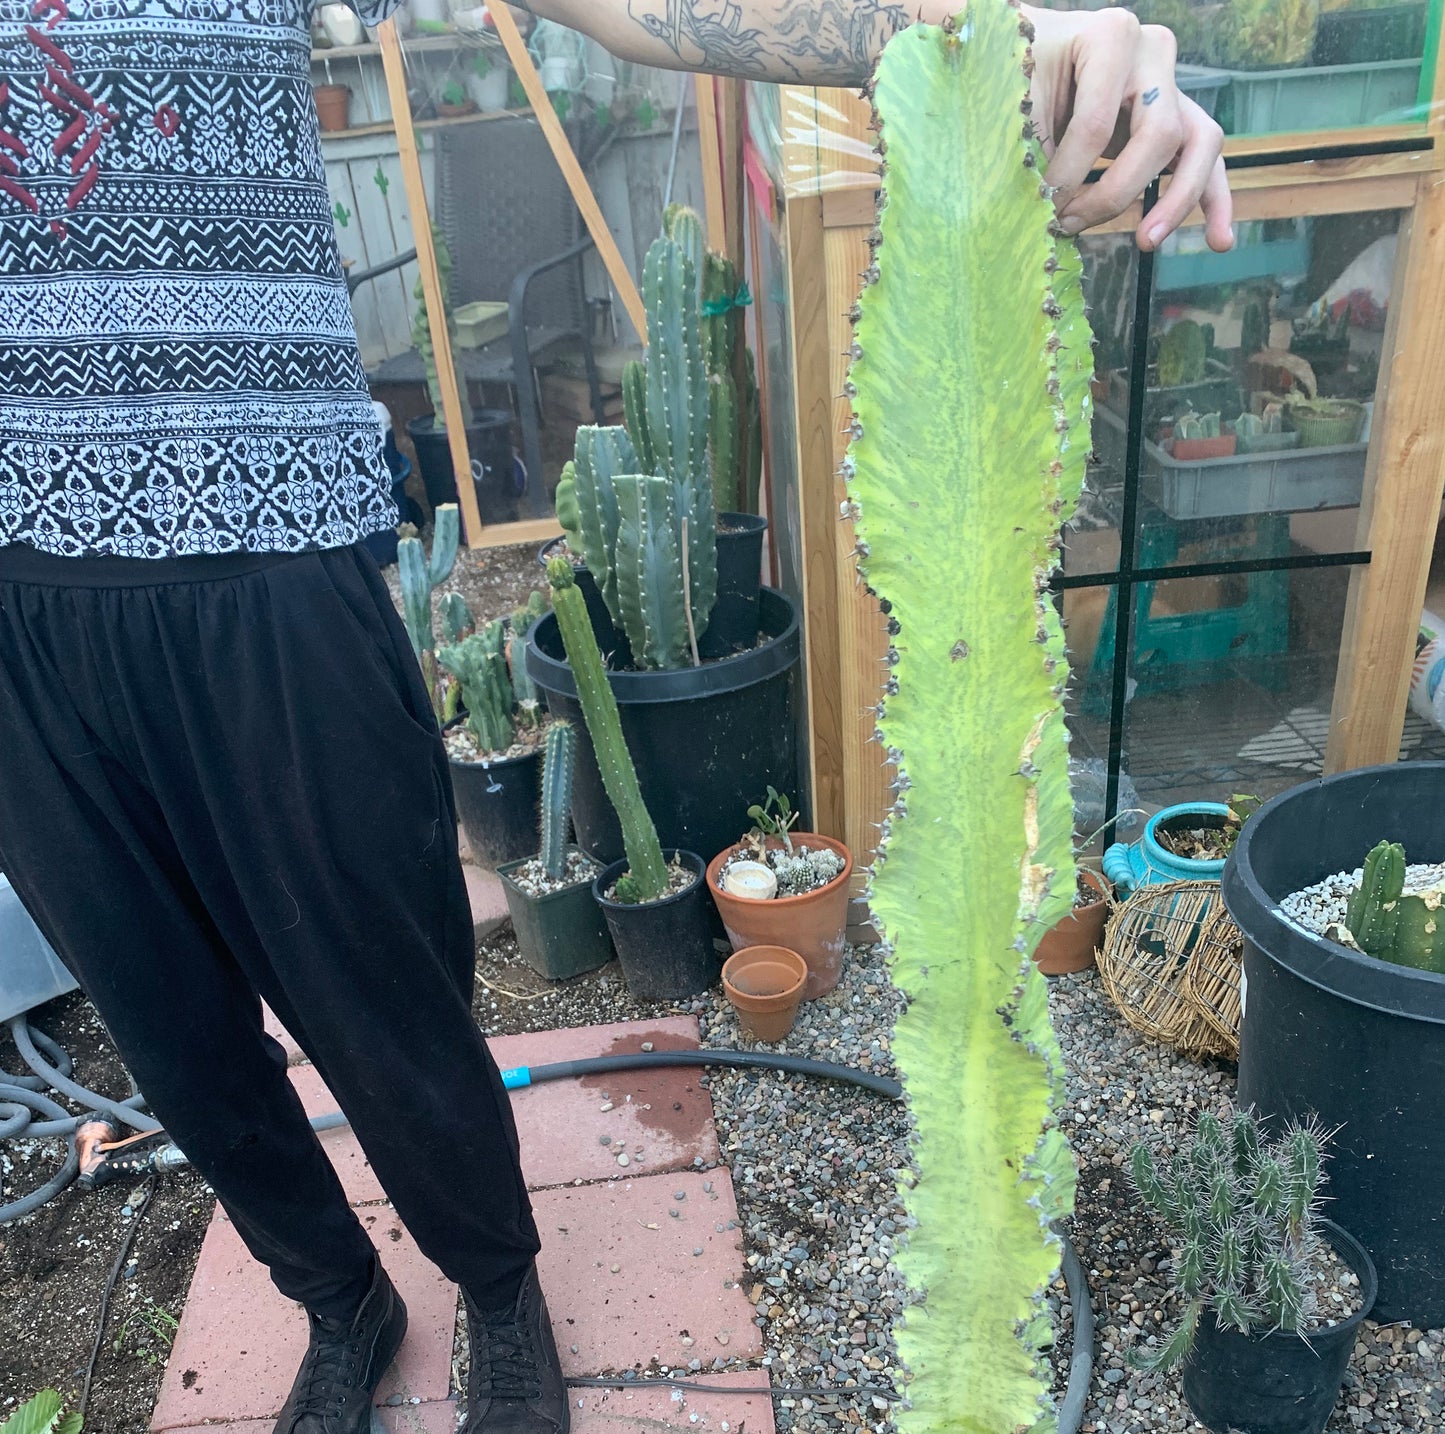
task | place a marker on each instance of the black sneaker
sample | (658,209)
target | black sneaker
(515,1384)
(344,1364)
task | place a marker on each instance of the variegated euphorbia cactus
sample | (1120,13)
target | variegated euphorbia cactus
(970,389)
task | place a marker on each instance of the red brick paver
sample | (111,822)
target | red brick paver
(642,1411)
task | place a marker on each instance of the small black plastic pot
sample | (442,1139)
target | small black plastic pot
(734,621)
(665,947)
(561,934)
(1332,1034)
(611,640)
(705,740)
(1276,1383)
(500,806)
(494,466)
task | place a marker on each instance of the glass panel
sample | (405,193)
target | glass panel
(1424,735)
(1231,684)
(1287,65)
(1263,368)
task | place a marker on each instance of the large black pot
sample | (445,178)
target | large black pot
(498,475)
(500,806)
(1276,1382)
(734,621)
(707,741)
(665,947)
(1330,1032)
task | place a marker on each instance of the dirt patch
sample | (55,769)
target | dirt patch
(494,581)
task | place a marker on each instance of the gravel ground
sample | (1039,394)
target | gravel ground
(1323,905)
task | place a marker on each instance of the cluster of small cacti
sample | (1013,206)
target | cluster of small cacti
(1182,354)
(970,389)
(646,878)
(1262,34)
(1197,425)
(1244,1211)
(479,663)
(559,761)
(419,576)
(421,336)
(1408,930)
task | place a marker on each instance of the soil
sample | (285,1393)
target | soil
(1196,843)
(494,581)
(679,878)
(463,747)
(1085,893)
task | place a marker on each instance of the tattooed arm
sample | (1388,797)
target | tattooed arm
(1103,86)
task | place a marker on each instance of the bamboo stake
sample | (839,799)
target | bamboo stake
(436,312)
(582,195)
(712,177)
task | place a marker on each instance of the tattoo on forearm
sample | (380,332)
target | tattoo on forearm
(835,41)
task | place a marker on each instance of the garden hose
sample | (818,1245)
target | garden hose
(20,1099)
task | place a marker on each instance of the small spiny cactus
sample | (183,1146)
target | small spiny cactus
(479,663)
(1243,1210)
(1384,922)
(559,761)
(419,577)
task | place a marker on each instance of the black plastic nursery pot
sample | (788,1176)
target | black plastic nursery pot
(1277,1382)
(665,947)
(611,641)
(734,621)
(489,441)
(560,934)
(500,806)
(706,741)
(1332,1033)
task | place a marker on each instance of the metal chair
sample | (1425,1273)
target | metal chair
(499,196)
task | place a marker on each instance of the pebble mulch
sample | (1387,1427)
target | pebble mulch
(1317,907)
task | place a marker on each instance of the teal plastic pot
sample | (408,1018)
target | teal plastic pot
(1130,865)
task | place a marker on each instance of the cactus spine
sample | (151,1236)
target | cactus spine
(646,866)
(419,576)
(479,663)
(972,295)
(559,760)
(1391,926)
(1245,1214)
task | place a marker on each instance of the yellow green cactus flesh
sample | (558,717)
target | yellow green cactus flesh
(970,389)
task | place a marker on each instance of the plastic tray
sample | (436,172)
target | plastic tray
(1202,84)
(30,972)
(1298,480)
(1318,96)
(478,324)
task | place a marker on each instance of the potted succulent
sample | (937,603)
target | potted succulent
(1326,422)
(1273,1295)
(655,902)
(1187,842)
(493,728)
(333,107)
(559,926)
(778,888)
(705,732)
(765,987)
(1072,944)
(1341,1027)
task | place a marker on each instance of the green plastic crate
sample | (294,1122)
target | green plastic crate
(1318,97)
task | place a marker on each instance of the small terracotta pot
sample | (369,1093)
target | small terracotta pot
(765,986)
(1071,945)
(815,924)
(1194,450)
(333,107)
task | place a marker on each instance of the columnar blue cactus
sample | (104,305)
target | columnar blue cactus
(559,761)
(419,577)
(479,664)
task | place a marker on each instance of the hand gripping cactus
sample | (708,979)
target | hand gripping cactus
(1389,925)
(559,761)
(1244,1212)
(970,390)
(419,576)
(647,869)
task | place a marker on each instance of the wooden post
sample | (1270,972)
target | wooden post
(1403,484)
(734,182)
(582,194)
(426,259)
(818,507)
(714,207)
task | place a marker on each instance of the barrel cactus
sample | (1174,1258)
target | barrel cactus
(970,393)
(1390,925)
(420,576)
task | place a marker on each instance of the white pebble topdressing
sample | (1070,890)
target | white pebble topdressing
(1316,908)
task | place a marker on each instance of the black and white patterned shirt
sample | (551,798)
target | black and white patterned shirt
(179,371)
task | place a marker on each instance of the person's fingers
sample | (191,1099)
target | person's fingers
(1198,180)
(1103,61)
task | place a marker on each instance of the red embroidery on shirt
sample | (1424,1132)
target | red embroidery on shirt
(167,119)
(12,150)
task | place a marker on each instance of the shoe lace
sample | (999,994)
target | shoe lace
(328,1374)
(515,1369)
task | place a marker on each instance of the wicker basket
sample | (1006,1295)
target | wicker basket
(1211,979)
(1148,946)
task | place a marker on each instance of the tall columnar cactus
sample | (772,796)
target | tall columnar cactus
(419,576)
(559,761)
(646,865)
(1244,1212)
(422,341)
(529,700)
(479,663)
(601,456)
(1391,926)
(972,296)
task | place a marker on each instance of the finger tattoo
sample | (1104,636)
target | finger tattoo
(1149,96)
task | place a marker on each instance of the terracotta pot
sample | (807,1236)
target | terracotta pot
(765,986)
(815,924)
(1071,945)
(1194,450)
(333,107)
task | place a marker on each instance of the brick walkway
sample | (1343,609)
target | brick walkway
(633,1275)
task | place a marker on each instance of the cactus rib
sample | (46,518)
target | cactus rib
(559,760)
